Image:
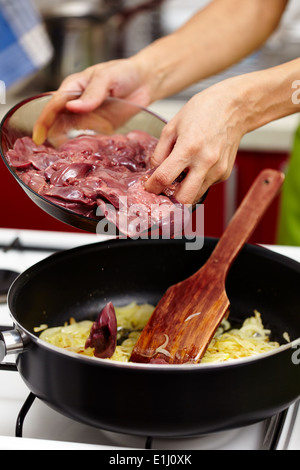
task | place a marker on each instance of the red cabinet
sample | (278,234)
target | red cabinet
(224,198)
(18,211)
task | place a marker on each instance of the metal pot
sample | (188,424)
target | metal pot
(84,33)
(148,399)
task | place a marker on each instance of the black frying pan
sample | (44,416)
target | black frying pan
(156,400)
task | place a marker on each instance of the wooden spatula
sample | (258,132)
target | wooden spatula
(186,318)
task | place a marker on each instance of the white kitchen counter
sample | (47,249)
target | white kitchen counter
(67,240)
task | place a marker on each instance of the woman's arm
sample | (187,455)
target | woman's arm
(216,37)
(203,138)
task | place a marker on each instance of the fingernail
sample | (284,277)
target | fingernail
(39,135)
(152,187)
(73,104)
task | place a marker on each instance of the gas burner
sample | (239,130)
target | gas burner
(15,244)
(269,432)
(18,245)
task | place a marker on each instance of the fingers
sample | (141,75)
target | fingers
(169,163)
(84,92)
(165,145)
(204,164)
(173,155)
(196,182)
(80,93)
(93,93)
(48,116)
(192,187)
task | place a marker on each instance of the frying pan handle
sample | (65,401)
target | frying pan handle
(11,342)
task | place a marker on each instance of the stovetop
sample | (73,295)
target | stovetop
(28,423)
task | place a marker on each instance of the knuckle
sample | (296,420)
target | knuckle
(192,149)
(155,160)
(162,177)
(168,130)
(221,172)
(212,160)
(186,199)
(193,146)
(67,81)
(226,175)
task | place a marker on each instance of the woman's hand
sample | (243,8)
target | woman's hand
(83,92)
(202,140)
(119,78)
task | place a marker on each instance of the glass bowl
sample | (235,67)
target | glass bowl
(114,116)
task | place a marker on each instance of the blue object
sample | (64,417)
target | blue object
(24,43)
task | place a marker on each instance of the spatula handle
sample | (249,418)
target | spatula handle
(246,218)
